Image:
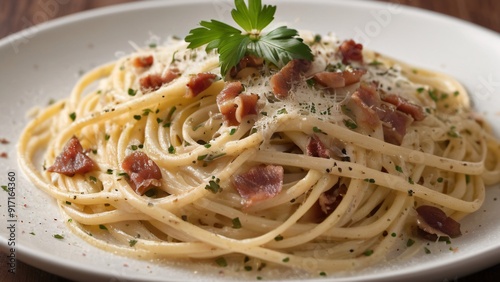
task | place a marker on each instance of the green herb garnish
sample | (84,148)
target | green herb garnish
(131,92)
(213,186)
(58,236)
(278,46)
(221,262)
(236,223)
(368,253)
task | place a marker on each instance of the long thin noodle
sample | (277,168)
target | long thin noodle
(445,160)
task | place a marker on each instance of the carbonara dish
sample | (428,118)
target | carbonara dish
(325,165)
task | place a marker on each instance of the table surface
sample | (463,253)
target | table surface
(12,12)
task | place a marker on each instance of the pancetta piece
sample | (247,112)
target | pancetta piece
(259,183)
(330,199)
(143,61)
(142,171)
(229,92)
(316,148)
(394,123)
(351,51)
(403,105)
(246,62)
(153,82)
(235,105)
(199,82)
(339,79)
(363,104)
(72,160)
(433,221)
(283,81)
(370,112)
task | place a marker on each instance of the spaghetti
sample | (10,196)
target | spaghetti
(339,175)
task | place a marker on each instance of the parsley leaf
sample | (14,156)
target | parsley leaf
(278,47)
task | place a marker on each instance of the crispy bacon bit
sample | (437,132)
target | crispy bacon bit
(153,82)
(351,51)
(246,62)
(259,183)
(4,141)
(316,148)
(339,79)
(414,110)
(199,82)
(395,123)
(362,104)
(369,110)
(246,104)
(72,160)
(331,198)
(433,220)
(143,61)
(229,92)
(142,171)
(283,81)
(235,106)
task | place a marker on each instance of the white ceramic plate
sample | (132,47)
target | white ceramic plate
(43,62)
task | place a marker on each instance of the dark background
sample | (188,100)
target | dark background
(485,13)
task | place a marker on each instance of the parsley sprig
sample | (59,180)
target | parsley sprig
(278,46)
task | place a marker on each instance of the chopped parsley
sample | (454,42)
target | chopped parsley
(374,63)
(131,92)
(410,242)
(368,253)
(282,111)
(221,261)
(453,132)
(398,168)
(350,124)
(236,223)
(213,185)
(370,180)
(58,236)
(171,149)
(318,130)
